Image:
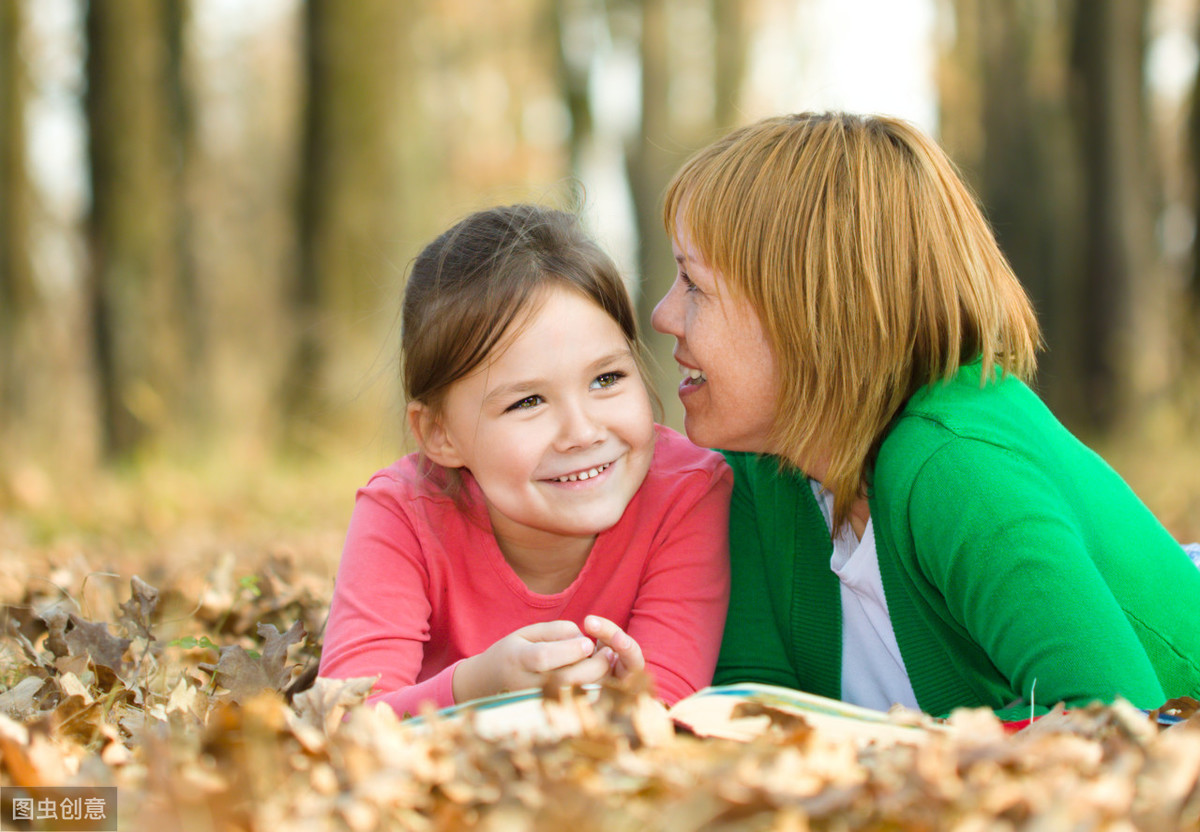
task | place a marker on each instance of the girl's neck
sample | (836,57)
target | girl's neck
(547,567)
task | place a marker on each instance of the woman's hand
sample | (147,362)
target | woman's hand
(626,654)
(528,657)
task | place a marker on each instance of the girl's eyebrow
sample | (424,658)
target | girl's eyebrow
(614,356)
(516,389)
(524,387)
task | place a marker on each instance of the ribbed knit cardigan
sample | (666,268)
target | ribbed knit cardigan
(1018,567)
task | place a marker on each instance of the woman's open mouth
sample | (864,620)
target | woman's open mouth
(692,377)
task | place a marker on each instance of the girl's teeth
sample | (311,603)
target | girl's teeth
(584,475)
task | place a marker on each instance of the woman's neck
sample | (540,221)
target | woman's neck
(860,509)
(860,513)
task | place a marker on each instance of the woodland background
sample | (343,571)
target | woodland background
(207,208)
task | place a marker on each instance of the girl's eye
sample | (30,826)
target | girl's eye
(688,285)
(524,404)
(607,379)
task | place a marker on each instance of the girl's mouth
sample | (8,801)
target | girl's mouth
(586,474)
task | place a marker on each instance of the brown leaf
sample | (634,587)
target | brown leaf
(275,651)
(1183,707)
(56,619)
(244,675)
(32,654)
(95,640)
(326,701)
(794,725)
(240,673)
(135,613)
(18,702)
(14,750)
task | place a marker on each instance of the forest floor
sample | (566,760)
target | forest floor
(155,617)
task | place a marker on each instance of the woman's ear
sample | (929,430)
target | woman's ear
(431,436)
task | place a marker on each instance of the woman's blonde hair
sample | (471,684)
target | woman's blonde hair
(871,268)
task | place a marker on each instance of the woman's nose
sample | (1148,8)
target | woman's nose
(666,315)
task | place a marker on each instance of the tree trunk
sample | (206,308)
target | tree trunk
(570,20)
(350,193)
(1003,89)
(1193,142)
(17,295)
(132,225)
(730,33)
(181,124)
(652,160)
(1108,59)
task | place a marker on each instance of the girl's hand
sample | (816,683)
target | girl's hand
(527,657)
(626,653)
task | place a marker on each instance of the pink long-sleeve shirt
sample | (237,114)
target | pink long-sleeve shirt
(423,584)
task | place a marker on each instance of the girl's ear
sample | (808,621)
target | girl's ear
(431,436)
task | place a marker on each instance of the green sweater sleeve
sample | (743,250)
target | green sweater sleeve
(753,648)
(1007,571)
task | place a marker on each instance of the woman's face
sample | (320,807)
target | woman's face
(729,385)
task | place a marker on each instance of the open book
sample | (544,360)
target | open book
(744,711)
(736,712)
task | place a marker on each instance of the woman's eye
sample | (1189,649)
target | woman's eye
(524,404)
(688,285)
(607,379)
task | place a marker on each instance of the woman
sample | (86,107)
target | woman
(909,523)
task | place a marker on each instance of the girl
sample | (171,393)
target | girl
(909,522)
(547,527)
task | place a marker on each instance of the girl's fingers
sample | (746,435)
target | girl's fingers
(628,652)
(544,656)
(603,630)
(549,631)
(585,672)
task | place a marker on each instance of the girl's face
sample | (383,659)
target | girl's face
(729,386)
(555,426)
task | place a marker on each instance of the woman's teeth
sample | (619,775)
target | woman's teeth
(693,375)
(584,475)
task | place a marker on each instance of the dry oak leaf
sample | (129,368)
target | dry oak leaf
(56,619)
(18,701)
(244,675)
(95,640)
(326,701)
(135,613)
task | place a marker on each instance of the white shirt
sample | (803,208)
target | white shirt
(873,673)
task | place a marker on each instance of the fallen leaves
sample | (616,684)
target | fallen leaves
(195,744)
(246,674)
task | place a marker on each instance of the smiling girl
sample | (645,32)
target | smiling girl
(547,527)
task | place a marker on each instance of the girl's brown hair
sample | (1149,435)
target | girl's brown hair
(468,288)
(870,265)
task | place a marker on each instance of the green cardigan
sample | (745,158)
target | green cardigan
(1018,567)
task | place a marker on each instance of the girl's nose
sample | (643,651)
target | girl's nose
(580,428)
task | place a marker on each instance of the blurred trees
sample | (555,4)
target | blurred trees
(258,185)
(17,295)
(1045,105)
(135,288)
(349,203)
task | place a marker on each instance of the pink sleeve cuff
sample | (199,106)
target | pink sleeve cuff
(437,690)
